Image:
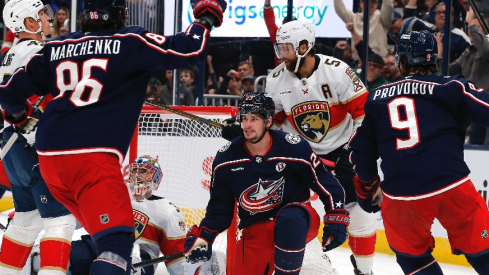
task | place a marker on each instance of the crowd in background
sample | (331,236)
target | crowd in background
(233,65)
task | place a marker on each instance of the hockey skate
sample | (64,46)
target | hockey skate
(355,270)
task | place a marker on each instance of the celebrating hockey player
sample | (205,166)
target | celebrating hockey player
(320,98)
(270,174)
(36,209)
(98,78)
(417,127)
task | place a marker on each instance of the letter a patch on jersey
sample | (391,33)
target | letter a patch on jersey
(140,222)
(312,119)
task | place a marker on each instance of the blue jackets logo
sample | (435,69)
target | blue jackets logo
(262,196)
(312,120)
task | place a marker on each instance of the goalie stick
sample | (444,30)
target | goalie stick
(478,15)
(15,135)
(184,114)
(158,260)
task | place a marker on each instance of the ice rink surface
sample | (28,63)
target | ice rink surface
(384,265)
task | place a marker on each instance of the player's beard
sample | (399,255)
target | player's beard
(291,65)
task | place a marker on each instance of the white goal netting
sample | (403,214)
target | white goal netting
(185,149)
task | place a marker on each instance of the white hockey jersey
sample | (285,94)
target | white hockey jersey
(323,107)
(160,226)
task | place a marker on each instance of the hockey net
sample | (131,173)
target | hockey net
(185,149)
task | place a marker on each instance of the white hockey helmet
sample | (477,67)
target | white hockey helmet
(295,32)
(16,11)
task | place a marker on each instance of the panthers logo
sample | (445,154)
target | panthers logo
(140,222)
(312,120)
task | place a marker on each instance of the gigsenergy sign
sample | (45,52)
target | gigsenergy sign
(244,18)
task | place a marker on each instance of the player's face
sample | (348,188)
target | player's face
(285,52)
(253,127)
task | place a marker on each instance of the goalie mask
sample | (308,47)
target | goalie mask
(144,176)
(16,11)
(295,32)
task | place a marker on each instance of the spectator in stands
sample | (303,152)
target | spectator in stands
(375,62)
(185,95)
(212,83)
(380,22)
(248,85)
(153,91)
(187,78)
(342,51)
(60,22)
(245,68)
(473,63)
(391,71)
(231,84)
(459,41)
(394,30)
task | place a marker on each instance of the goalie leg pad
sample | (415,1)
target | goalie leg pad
(422,265)
(291,228)
(114,254)
(56,242)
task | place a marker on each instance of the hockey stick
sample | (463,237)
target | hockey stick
(158,260)
(478,15)
(15,135)
(184,114)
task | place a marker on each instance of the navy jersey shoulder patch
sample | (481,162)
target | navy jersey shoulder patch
(293,138)
(225,147)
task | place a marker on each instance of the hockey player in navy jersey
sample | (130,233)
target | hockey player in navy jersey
(35,207)
(98,78)
(270,174)
(417,127)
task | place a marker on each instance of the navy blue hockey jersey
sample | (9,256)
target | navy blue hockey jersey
(98,81)
(262,185)
(417,127)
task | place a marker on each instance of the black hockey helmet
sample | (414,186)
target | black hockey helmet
(105,10)
(419,48)
(257,103)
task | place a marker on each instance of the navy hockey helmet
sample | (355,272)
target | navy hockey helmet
(420,48)
(144,176)
(105,10)
(257,103)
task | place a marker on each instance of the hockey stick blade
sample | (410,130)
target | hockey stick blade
(158,260)
(477,14)
(184,114)
(15,135)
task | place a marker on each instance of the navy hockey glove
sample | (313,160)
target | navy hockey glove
(198,246)
(335,231)
(343,167)
(26,121)
(366,194)
(231,130)
(215,8)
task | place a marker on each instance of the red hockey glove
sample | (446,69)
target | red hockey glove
(335,231)
(366,194)
(198,246)
(215,8)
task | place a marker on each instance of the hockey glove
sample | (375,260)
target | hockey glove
(214,8)
(366,194)
(335,231)
(231,129)
(26,121)
(198,246)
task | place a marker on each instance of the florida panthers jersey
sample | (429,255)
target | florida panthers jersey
(99,82)
(262,185)
(417,126)
(160,227)
(321,108)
